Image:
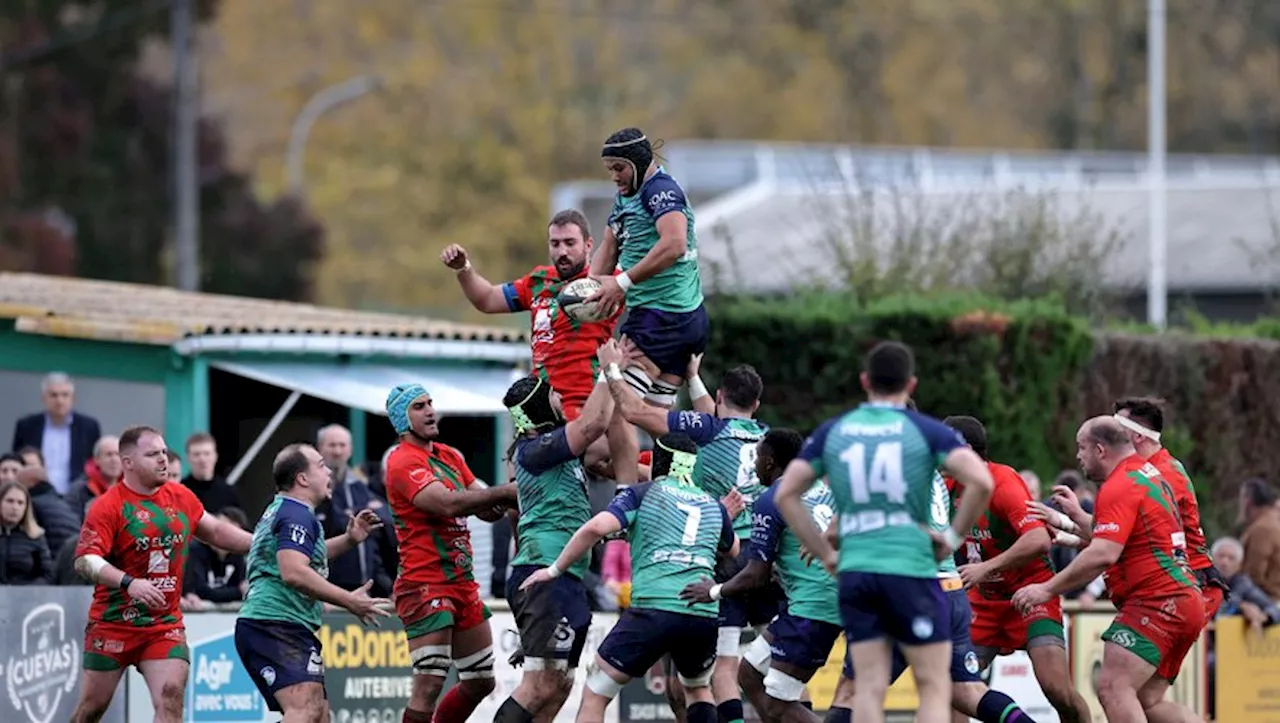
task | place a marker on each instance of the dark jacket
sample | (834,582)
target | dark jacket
(215,494)
(64,565)
(24,561)
(85,431)
(370,560)
(212,578)
(87,488)
(53,513)
(1244,590)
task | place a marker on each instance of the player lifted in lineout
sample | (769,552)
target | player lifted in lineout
(564,350)
(553,619)
(726,432)
(1136,535)
(798,642)
(880,460)
(288,584)
(1007,549)
(133,548)
(676,532)
(432,492)
(651,236)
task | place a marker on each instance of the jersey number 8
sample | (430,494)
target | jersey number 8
(884,477)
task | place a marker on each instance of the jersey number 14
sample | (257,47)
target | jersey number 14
(884,477)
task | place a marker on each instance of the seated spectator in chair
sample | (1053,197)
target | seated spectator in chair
(100,472)
(1245,598)
(24,553)
(10,464)
(52,512)
(214,575)
(174,470)
(210,488)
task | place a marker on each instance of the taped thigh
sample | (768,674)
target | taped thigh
(780,686)
(431,660)
(477,665)
(759,655)
(729,642)
(662,394)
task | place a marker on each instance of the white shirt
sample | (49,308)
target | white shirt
(55,445)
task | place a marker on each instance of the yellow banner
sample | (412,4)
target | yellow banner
(1086,664)
(1248,679)
(822,687)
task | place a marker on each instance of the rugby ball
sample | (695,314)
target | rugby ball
(573,301)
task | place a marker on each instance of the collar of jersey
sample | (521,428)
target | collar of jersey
(295,499)
(884,405)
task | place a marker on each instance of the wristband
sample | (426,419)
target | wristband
(554,571)
(125,581)
(614,373)
(697,390)
(952,538)
(624,281)
(714,592)
(602,378)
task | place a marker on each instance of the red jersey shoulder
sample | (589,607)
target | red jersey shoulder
(1003,474)
(454,459)
(180,497)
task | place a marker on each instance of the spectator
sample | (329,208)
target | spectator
(174,469)
(215,575)
(52,512)
(24,553)
(1261,537)
(64,438)
(210,488)
(104,470)
(365,561)
(1245,598)
(1033,483)
(9,466)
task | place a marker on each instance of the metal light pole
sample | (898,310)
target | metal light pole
(1157,295)
(186,209)
(321,103)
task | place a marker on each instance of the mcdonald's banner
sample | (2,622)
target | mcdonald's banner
(1248,673)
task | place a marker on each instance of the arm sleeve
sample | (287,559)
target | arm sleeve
(726,529)
(1116,513)
(942,440)
(548,451)
(626,504)
(294,530)
(1009,502)
(518,293)
(701,428)
(766,530)
(98,532)
(813,447)
(662,195)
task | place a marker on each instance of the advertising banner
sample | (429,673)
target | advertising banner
(41,649)
(1248,673)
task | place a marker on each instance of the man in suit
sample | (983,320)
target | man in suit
(65,438)
(374,559)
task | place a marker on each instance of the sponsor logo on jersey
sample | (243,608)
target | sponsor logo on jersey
(1105,527)
(158,562)
(564,636)
(46,668)
(971,662)
(922,627)
(1124,638)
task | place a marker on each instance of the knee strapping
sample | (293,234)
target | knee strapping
(638,380)
(759,655)
(662,394)
(701,680)
(477,665)
(729,642)
(431,660)
(601,684)
(780,686)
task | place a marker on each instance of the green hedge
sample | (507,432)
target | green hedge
(1015,366)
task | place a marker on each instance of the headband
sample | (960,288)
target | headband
(520,418)
(1136,428)
(682,463)
(398,402)
(637,153)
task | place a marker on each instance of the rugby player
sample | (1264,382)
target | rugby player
(676,532)
(1007,549)
(799,640)
(1136,536)
(651,235)
(133,548)
(1143,419)
(288,571)
(553,619)
(432,491)
(564,351)
(880,460)
(726,435)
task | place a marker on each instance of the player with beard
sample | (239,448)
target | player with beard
(564,350)
(432,492)
(288,570)
(133,547)
(553,619)
(1136,536)
(1143,419)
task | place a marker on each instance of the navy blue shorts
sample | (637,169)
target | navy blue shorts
(909,610)
(756,607)
(553,618)
(964,659)
(668,338)
(278,655)
(802,642)
(642,637)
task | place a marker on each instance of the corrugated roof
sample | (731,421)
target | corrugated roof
(85,308)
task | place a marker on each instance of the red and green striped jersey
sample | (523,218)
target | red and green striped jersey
(1184,494)
(998,528)
(146,536)
(433,549)
(1136,508)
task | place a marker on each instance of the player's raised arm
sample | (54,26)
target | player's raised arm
(653,420)
(359,527)
(593,422)
(483,295)
(701,399)
(605,259)
(438,499)
(665,202)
